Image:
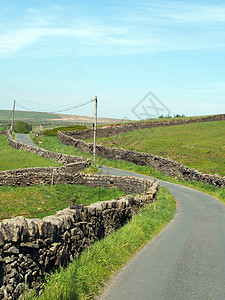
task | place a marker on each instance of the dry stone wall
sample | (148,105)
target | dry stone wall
(34,176)
(167,166)
(31,247)
(115,129)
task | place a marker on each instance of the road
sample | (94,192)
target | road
(185,261)
(25,138)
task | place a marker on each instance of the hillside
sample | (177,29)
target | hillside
(199,146)
(42,118)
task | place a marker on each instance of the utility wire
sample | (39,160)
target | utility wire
(74,107)
(64,110)
(22,106)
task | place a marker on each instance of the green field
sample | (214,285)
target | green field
(17,159)
(200,146)
(32,199)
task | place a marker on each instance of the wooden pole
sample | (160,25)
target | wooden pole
(95,130)
(13,115)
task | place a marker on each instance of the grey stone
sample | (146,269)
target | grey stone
(13,250)
(30,245)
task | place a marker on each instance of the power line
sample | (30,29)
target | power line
(74,107)
(64,110)
(22,106)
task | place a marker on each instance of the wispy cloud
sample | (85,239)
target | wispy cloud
(143,28)
(172,12)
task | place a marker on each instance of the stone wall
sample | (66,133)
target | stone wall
(115,129)
(167,166)
(59,157)
(63,175)
(31,247)
(34,176)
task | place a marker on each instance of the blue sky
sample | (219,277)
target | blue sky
(56,54)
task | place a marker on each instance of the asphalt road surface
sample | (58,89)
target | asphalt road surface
(185,261)
(25,138)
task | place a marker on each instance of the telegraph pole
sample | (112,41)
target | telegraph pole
(95,130)
(13,115)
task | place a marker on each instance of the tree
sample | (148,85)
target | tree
(22,127)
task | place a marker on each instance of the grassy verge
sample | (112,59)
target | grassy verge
(16,159)
(23,200)
(53,144)
(87,275)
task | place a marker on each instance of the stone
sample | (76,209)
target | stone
(33,245)
(13,250)
(19,289)
(13,274)
(8,259)
(28,278)
(54,247)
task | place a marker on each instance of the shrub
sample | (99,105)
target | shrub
(22,127)
(54,131)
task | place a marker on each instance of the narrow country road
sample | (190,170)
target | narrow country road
(25,138)
(186,261)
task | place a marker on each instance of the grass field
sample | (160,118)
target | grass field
(16,159)
(200,146)
(27,200)
(85,276)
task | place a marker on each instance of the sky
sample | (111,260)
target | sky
(140,58)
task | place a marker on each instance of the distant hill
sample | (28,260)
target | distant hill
(42,117)
(24,115)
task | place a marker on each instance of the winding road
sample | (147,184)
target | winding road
(185,261)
